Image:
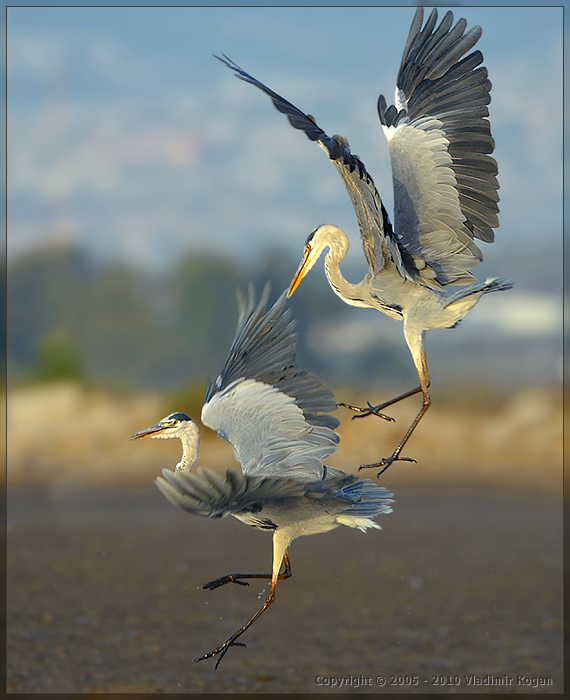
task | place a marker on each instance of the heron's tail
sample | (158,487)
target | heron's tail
(367,500)
(493,284)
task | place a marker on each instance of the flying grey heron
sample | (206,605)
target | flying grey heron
(445,195)
(276,417)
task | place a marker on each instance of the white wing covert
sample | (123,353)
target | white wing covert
(274,414)
(445,185)
(378,239)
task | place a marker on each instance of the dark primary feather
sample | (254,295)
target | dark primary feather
(302,121)
(378,238)
(438,83)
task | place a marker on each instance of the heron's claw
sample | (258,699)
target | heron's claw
(222,650)
(366,411)
(230,578)
(386,462)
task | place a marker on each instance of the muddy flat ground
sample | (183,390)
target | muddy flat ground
(102,596)
(464,581)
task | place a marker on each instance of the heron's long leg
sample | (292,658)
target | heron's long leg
(362,412)
(280,542)
(415,342)
(235,578)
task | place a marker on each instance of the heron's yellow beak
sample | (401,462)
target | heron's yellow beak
(149,432)
(302,270)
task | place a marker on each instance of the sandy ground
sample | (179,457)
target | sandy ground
(80,437)
(464,581)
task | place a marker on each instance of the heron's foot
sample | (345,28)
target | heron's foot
(368,410)
(385,463)
(222,650)
(230,578)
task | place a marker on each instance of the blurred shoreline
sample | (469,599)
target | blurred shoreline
(65,433)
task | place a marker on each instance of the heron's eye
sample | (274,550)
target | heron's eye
(307,249)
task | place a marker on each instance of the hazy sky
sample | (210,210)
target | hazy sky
(126,135)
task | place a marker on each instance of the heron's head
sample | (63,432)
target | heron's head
(176,425)
(325,236)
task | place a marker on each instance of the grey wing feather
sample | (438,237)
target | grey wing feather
(265,349)
(212,495)
(366,498)
(275,414)
(378,240)
(440,142)
(209,494)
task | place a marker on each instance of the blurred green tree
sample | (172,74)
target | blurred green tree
(116,330)
(58,358)
(204,314)
(45,290)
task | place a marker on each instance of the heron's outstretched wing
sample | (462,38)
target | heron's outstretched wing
(207,493)
(211,495)
(274,413)
(445,185)
(378,238)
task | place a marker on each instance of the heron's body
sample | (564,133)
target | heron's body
(445,192)
(319,507)
(276,416)
(419,306)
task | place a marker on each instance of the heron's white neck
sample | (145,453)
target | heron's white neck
(190,439)
(337,242)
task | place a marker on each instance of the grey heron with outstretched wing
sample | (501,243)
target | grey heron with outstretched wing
(445,195)
(277,418)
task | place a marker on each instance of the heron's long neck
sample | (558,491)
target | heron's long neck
(190,449)
(353,294)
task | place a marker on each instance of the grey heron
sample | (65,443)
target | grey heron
(277,418)
(445,195)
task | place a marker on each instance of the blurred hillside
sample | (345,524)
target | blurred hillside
(108,324)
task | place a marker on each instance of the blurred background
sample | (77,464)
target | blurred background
(146,183)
